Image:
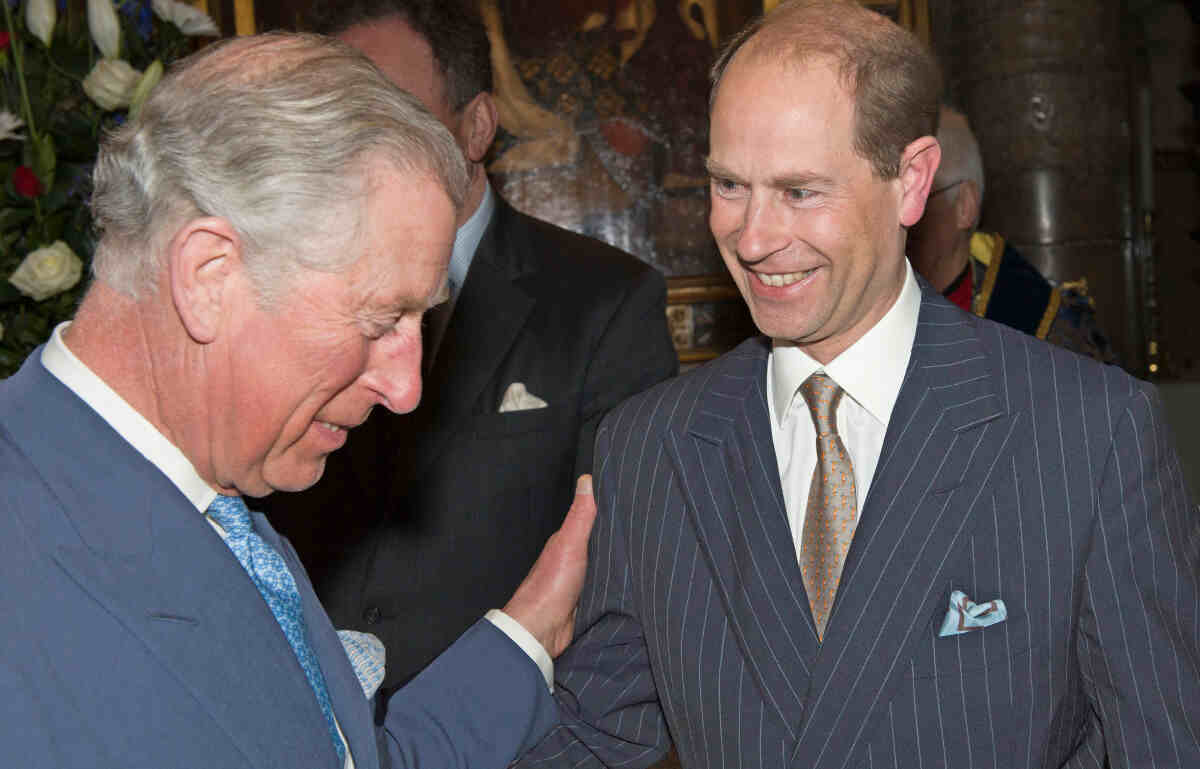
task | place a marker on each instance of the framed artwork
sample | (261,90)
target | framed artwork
(604,129)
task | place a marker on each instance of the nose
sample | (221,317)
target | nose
(393,370)
(763,230)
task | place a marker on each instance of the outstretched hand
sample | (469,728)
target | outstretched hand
(545,600)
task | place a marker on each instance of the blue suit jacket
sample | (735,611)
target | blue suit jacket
(1010,469)
(130,636)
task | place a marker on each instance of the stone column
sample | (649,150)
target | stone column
(1046,85)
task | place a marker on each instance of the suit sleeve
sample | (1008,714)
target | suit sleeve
(1139,639)
(607,699)
(634,353)
(480,704)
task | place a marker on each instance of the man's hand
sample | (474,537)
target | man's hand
(545,600)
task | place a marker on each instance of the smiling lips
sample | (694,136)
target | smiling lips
(783,279)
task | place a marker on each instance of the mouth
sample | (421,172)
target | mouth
(780,279)
(331,427)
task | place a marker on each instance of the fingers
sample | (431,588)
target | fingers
(577,526)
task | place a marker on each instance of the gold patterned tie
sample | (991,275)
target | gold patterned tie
(832,503)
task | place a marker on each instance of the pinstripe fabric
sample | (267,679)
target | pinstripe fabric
(1011,469)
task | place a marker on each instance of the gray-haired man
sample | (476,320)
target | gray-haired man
(274,225)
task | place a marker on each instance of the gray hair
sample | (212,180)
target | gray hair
(961,160)
(275,134)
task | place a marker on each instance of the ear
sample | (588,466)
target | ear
(477,126)
(918,164)
(201,258)
(966,205)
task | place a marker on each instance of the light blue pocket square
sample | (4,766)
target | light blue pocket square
(965,615)
(367,656)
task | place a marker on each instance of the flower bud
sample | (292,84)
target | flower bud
(40,16)
(105,29)
(47,271)
(110,83)
(144,86)
(26,183)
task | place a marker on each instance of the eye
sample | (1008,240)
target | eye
(726,188)
(797,194)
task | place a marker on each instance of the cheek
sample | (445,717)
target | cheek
(724,217)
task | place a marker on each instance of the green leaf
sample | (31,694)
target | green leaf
(44,159)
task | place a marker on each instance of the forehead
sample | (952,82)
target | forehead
(406,239)
(404,56)
(767,109)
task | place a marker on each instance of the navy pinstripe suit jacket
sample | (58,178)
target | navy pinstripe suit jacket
(1011,469)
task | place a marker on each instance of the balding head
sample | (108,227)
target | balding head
(894,81)
(961,160)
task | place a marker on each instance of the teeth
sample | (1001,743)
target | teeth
(335,428)
(783,279)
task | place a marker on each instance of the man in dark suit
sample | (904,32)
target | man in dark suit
(237,329)
(428,520)
(887,533)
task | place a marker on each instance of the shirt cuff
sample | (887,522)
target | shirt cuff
(523,638)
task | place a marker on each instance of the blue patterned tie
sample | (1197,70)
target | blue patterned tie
(278,587)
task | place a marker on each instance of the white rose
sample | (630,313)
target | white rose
(40,16)
(47,271)
(110,83)
(191,21)
(10,126)
(105,29)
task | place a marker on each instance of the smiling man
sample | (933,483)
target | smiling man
(275,223)
(886,533)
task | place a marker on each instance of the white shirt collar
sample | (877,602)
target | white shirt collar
(131,425)
(466,240)
(870,371)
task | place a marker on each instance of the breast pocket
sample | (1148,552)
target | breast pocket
(512,423)
(989,648)
(970,685)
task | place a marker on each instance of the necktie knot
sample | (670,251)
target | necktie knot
(822,395)
(232,514)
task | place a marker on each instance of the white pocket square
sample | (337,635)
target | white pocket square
(517,398)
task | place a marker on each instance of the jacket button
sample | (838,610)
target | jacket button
(371,615)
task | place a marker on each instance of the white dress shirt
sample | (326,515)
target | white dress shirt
(870,372)
(164,455)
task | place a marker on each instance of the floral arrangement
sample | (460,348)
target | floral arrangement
(69,70)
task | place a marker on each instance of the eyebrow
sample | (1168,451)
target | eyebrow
(786,182)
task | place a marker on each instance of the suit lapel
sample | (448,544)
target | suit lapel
(188,600)
(731,478)
(490,312)
(143,552)
(947,433)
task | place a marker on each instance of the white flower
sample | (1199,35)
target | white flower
(105,29)
(10,124)
(110,83)
(47,271)
(190,20)
(40,16)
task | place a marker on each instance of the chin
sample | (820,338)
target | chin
(298,479)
